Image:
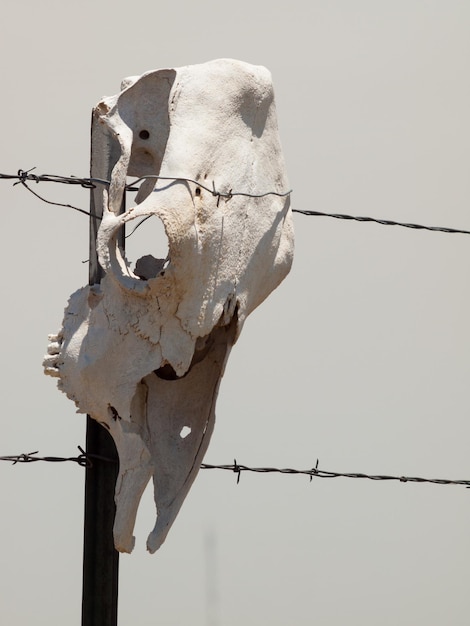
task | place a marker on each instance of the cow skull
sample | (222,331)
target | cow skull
(143,351)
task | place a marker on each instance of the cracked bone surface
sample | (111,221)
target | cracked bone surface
(143,351)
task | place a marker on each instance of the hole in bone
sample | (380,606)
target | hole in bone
(149,267)
(185,431)
(144,134)
(147,248)
(166,372)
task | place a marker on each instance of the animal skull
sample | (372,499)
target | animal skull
(143,351)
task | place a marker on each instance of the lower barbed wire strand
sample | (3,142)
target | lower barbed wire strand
(318,473)
(85,459)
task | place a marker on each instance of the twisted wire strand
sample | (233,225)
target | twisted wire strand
(213,191)
(342,216)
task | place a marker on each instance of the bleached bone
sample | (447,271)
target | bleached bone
(143,352)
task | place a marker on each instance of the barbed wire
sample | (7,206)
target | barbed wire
(85,459)
(213,191)
(24,176)
(315,472)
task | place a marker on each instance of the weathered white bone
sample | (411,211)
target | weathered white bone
(144,351)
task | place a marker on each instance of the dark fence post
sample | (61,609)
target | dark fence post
(100,559)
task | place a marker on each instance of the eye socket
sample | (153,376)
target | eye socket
(144,134)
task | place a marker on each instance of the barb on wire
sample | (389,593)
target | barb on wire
(86,460)
(318,473)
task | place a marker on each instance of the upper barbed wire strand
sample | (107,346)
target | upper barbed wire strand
(89,183)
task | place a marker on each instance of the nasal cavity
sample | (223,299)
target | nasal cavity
(147,248)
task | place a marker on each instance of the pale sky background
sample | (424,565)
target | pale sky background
(360,358)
